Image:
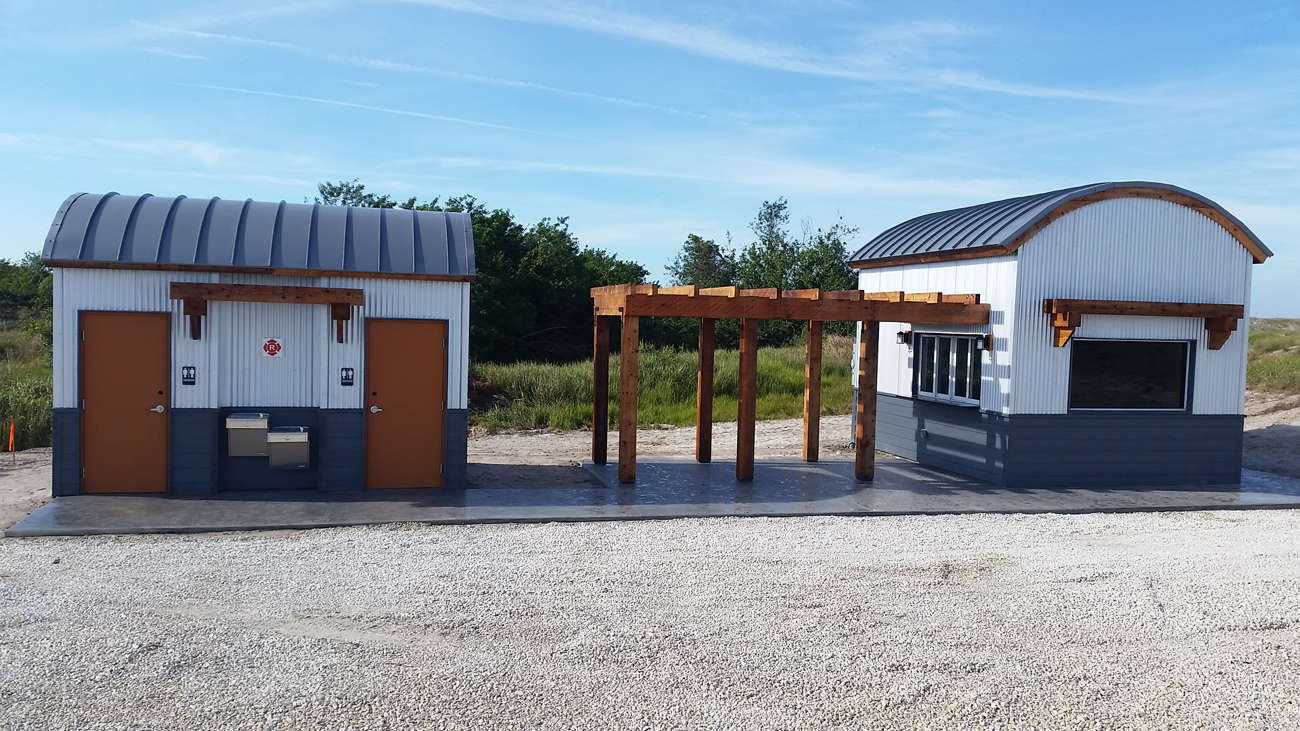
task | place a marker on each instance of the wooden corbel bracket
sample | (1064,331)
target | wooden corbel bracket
(195,297)
(1066,315)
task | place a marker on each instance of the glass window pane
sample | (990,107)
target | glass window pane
(943,361)
(1120,374)
(963,348)
(976,366)
(926,383)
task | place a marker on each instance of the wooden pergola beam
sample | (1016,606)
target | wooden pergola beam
(704,394)
(1067,316)
(600,392)
(630,342)
(864,433)
(196,295)
(790,308)
(747,402)
(812,391)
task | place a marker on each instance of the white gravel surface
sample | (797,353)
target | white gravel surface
(1169,620)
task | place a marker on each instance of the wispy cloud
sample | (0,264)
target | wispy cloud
(385,110)
(873,67)
(173,54)
(169,148)
(512,83)
(790,176)
(167,30)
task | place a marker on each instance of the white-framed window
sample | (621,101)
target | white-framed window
(947,367)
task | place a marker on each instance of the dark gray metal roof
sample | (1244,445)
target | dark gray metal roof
(999,224)
(147,231)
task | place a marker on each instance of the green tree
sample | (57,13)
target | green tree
(769,261)
(531,296)
(703,263)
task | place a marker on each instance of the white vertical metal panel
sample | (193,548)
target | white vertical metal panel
(993,279)
(246,376)
(115,290)
(1129,249)
(403,299)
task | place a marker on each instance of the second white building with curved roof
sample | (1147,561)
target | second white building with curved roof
(1116,349)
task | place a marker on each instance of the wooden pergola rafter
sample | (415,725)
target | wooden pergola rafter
(630,302)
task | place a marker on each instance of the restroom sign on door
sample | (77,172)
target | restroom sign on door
(273,347)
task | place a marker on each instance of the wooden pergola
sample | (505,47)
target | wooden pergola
(630,302)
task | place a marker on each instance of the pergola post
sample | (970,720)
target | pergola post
(704,394)
(600,392)
(812,391)
(864,436)
(631,340)
(746,406)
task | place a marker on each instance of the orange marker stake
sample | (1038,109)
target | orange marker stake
(12,454)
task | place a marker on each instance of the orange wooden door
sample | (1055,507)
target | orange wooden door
(406,388)
(125,362)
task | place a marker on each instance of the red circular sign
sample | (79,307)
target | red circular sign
(272,347)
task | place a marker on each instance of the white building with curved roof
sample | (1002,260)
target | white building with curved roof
(1116,349)
(343,331)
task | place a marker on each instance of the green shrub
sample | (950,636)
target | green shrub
(26,390)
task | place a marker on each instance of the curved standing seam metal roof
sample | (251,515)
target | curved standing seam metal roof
(1000,227)
(145,231)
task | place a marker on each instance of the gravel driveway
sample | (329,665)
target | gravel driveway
(1171,620)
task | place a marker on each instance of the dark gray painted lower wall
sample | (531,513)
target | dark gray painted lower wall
(66,470)
(1097,449)
(192,451)
(1080,449)
(455,471)
(197,464)
(961,439)
(239,474)
(342,450)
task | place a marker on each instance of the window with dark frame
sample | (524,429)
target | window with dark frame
(948,368)
(1129,374)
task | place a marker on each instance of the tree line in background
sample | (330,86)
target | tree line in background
(531,296)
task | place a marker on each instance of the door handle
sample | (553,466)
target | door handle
(375,409)
(158,408)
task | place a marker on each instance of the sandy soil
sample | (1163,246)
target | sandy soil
(1272,440)
(531,458)
(24,484)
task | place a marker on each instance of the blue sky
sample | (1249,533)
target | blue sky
(643,123)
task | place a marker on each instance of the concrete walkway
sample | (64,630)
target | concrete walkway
(663,490)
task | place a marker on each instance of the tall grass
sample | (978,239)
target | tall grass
(1273,356)
(535,395)
(26,390)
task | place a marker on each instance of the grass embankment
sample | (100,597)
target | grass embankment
(26,390)
(536,395)
(1273,358)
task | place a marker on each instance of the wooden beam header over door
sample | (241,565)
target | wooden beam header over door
(196,296)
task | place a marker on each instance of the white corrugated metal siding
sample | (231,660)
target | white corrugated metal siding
(245,375)
(76,290)
(231,368)
(993,279)
(404,299)
(1129,249)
